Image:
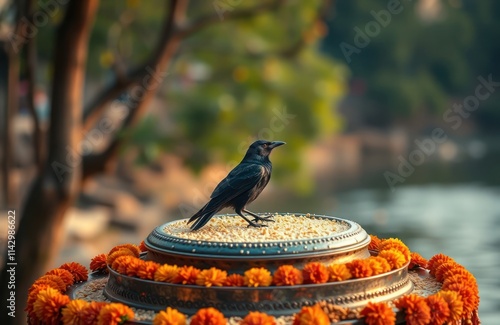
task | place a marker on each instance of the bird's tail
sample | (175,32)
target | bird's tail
(203,216)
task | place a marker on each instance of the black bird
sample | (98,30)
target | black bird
(241,186)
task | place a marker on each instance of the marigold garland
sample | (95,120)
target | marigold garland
(258,277)
(114,314)
(167,273)
(417,260)
(90,312)
(360,268)
(378,314)
(169,316)
(211,277)
(446,267)
(147,270)
(131,247)
(112,256)
(188,274)
(48,305)
(374,243)
(121,263)
(455,304)
(208,316)
(469,298)
(98,263)
(142,247)
(311,315)
(397,244)
(132,265)
(65,275)
(78,271)
(287,275)
(72,313)
(314,273)
(436,261)
(33,295)
(415,308)
(338,272)
(379,265)
(235,280)
(53,281)
(439,309)
(258,318)
(394,257)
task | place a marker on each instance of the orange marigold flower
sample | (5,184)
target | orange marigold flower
(455,304)
(258,277)
(360,268)
(188,274)
(72,313)
(33,295)
(91,311)
(258,318)
(167,273)
(120,264)
(52,279)
(445,268)
(131,247)
(469,297)
(211,277)
(379,265)
(395,258)
(114,314)
(142,247)
(48,304)
(374,243)
(378,314)
(459,273)
(169,316)
(315,272)
(415,308)
(65,275)
(287,275)
(79,271)
(338,272)
(208,316)
(417,261)
(311,315)
(437,260)
(131,266)
(440,311)
(147,270)
(98,263)
(235,280)
(117,253)
(394,243)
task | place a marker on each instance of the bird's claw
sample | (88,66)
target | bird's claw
(256,225)
(267,218)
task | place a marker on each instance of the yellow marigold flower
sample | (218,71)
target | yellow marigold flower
(394,243)
(445,268)
(33,295)
(120,264)
(65,275)
(235,280)
(436,261)
(379,265)
(417,261)
(72,313)
(188,274)
(440,311)
(287,275)
(142,247)
(374,243)
(455,304)
(147,271)
(78,271)
(338,272)
(469,297)
(167,273)
(98,263)
(258,318)
(131,247)
(378,314)
(315,272)
(169,316)
(91,311)
(395,258)
(208,316)
(114,314)
(52,280)
(415,308)
(360,268)
(117,253)
(211,277)
(258,277)
(311,316)
(48,304)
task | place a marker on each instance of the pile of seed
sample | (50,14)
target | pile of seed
(234,229)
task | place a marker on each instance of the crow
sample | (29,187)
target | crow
(241,186)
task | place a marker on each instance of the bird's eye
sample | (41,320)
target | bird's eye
(264,145)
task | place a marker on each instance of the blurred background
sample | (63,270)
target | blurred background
(389,110)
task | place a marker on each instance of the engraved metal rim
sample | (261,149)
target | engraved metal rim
(352,238)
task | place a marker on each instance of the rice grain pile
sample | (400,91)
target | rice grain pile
(234,229)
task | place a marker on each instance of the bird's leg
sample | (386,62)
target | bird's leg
(250,223)
(257,217)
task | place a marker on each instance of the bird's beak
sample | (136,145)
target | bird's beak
(275,144)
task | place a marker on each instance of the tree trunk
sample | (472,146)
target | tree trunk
(58,183)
